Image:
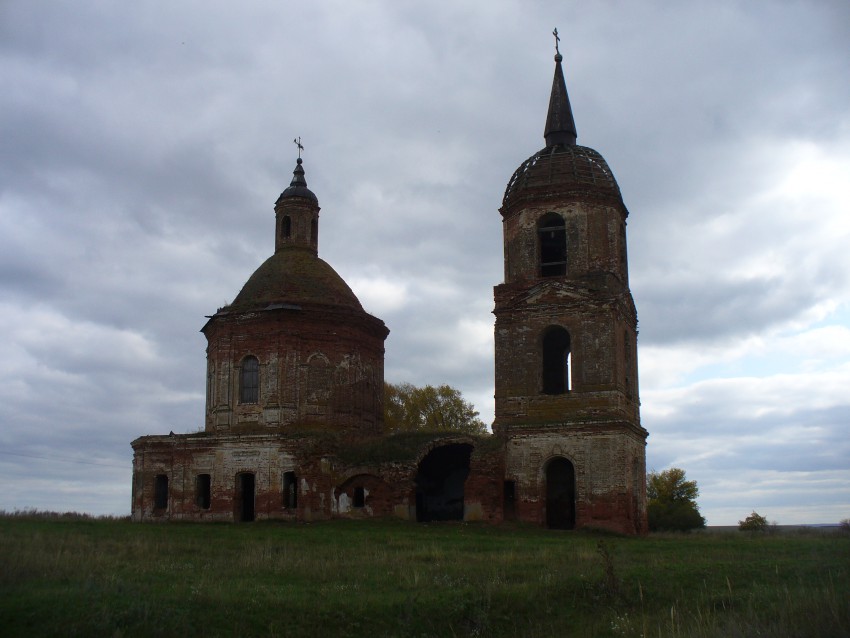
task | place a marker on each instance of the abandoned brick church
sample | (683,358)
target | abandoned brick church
(295,373)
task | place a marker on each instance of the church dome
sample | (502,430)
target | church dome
(559,169)
(295,276)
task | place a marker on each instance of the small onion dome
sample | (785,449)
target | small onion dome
(298,186)
(560,170)
(294,277)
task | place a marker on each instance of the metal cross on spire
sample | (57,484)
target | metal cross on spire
(297,142)
(557,40)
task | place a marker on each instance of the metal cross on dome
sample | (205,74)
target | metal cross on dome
(557,39)
(297,142)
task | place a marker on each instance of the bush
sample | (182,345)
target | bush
(672,502)
(755,522)
(681,516)
(844,526)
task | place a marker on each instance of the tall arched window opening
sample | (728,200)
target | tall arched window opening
(249,380)
(556,361)
(286,226)
(552,234)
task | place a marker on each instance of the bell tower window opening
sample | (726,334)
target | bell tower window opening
(286,227)
(557,362)
(552,236)
(249,380)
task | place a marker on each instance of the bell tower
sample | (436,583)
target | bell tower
(566,339)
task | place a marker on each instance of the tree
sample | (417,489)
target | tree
(672,501)
(755,522)
(408,408)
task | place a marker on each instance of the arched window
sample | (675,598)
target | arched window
(552,234)
(286,226)
(314,231)
(249,380)
(556,361)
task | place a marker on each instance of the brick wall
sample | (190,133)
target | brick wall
(323,367)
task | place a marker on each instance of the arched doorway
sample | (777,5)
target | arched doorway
(560,494)
(440,481)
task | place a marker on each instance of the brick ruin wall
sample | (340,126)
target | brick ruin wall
(326,484)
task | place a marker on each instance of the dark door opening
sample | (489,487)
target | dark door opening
(560,494)
(509,500)
(290,491)
(440,481)
(160,492)
(245,496)
(202,491)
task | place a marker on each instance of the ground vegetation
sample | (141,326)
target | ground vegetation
(82,577)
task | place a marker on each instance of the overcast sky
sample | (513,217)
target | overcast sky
(143,145)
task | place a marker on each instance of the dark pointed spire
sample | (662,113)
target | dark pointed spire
(560,126)
(298,175)
(298,185)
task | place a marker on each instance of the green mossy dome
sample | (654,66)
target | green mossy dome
(294,276)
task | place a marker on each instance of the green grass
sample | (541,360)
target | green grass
(389,578)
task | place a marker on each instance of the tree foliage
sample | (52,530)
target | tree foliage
(755,522)
(408,408)
(672,501)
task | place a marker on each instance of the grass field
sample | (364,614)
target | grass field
(387,578)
